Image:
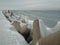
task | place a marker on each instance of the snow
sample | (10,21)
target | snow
(7,36)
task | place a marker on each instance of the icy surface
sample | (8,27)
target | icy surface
(8,37)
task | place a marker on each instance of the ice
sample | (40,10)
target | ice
(8,37)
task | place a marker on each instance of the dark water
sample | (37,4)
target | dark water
(49,17)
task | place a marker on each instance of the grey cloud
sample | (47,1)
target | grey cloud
(30,4)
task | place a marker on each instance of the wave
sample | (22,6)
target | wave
(45,31)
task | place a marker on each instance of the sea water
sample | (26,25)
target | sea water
(50,17)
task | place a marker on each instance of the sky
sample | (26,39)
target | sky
(30,4)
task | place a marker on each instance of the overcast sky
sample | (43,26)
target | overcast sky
(30,4)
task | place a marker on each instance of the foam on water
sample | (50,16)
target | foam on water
(45,31)
(8,37)
(30,24)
